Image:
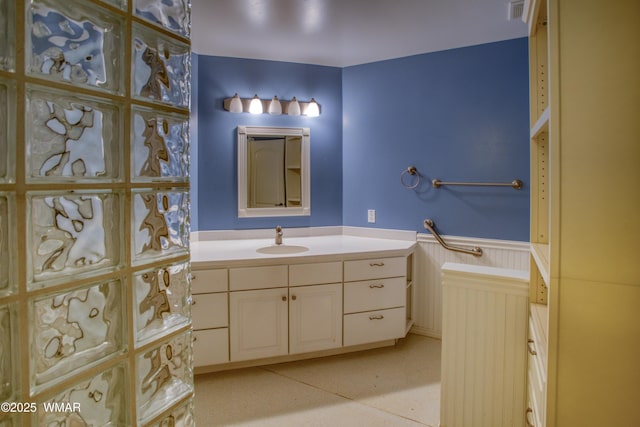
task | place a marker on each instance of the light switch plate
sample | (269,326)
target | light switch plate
(371,215)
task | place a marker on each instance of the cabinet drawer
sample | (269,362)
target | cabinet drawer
(374,294)
(206,281)
(210,347)
(273,276)
(374,268)
(315,274)
(210,311)
(538,344)
(373,326)
(533,414)
(536,377)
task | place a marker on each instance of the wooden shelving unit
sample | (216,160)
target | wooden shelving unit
(584,274)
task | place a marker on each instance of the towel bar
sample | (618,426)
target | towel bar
(516,183)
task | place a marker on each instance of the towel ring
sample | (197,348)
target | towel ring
(411,170)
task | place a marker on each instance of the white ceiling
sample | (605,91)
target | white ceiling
(345,32)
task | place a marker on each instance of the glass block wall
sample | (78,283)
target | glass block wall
(94,213)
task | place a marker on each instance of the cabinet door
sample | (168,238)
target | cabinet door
(258,323)
(315,318)
(210,347)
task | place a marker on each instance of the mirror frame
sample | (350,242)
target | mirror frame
(244,132)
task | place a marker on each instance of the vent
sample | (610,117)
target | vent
(516,8)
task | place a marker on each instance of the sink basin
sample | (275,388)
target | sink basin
(282,249)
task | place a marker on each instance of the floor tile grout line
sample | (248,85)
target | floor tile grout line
(267,369)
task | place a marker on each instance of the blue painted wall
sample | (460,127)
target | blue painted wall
(220,78)
(457,115)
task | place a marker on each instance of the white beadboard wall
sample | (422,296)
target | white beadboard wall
(430,257)
(484,357)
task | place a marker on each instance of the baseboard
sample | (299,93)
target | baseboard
(426,332)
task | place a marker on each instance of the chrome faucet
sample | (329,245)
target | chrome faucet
(278,235)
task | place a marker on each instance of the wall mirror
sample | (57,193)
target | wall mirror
(273,171)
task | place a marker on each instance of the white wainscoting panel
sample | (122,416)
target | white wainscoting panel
(430,257)
(484,356)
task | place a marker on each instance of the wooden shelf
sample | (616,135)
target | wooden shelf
(541,125)
(540,253)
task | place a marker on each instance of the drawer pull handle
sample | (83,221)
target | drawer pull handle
(284,298)
(380,286)
(376,264)
(526,417)
(379,317)
(195,339)
(193,277)
(293,297)
(193,301)
(531,348)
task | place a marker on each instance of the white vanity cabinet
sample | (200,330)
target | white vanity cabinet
(210,314)
(375,300)
(268,310)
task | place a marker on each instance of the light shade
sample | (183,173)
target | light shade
(274,106)
(256,105)
(312,109)
(294,107)
(235,106)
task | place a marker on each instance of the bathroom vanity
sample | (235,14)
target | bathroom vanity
(255,302)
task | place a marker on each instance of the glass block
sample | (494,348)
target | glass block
(7,130)
(120,4)
(72,138)
(182,416)
(160,146)
(164,376)
(8,354)
(7,249)
(74,330)
(161,68)
(174,15)
(163,300)
(161,225)
(73,235)
(75,42)
(99,401)
(7,35)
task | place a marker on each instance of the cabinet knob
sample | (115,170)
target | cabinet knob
(531,348)
(293,297)
(284,298)
(193,301)
(526,417)
(193,277)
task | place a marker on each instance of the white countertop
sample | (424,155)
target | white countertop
(216,253)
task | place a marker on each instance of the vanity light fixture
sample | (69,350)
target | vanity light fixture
(255,107)
(272,106)
(294,107)
(275,107)
(235,105)
(312,109)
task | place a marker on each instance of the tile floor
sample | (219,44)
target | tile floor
(391,386)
